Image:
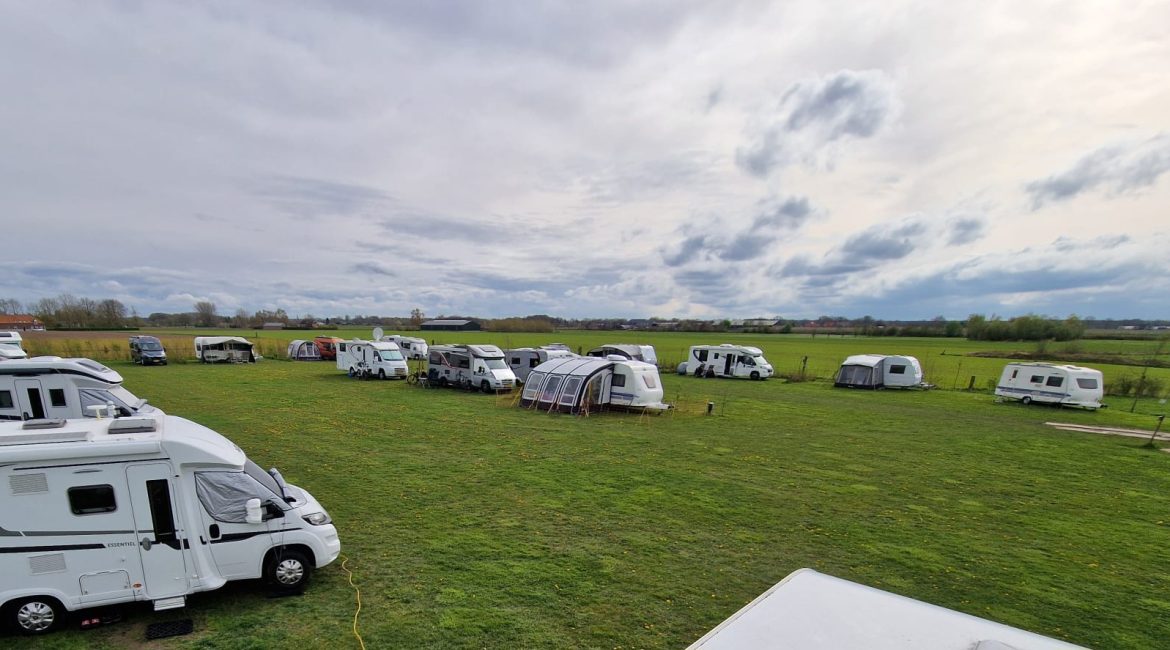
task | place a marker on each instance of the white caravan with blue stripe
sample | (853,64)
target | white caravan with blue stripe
(96,512)
(1052,384)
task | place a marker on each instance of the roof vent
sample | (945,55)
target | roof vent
(132,425)
(43,424)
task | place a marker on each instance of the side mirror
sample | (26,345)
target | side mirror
(253,514)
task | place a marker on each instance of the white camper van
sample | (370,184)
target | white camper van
(1052,384)
(412,347)
(52,387)
(214,349)
(728,360)
(626,350)
(10,346)
(470,366)
(367,359)
(523,360)
(879,371)
(814,611)
(576,384)
(96,512)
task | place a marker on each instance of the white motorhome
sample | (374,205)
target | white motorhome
(879,371)
(523,360)
(10,346)
(52,387)
(368,359)
(1052,384)
(813,611)
(214,349)
(96,512)
(585,384)
(470,366)
(627,350)
(412,347)
(728,360)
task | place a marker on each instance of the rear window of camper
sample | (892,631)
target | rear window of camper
(620,380)
(92,499)
(1082,382)
(1055,382)
(648,379)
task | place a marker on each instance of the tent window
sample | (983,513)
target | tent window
(550,389)
(1037,379)
(619,381)
(1087,382)
(532,387)
(569,395)
(897,370)
(1055,382)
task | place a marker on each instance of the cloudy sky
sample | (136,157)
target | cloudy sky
(673,158)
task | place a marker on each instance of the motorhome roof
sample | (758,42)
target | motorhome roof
(52,365)
(181,439)
(1041,364)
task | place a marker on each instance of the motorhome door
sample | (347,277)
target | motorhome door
(159,531)
(31,398)
(729,360)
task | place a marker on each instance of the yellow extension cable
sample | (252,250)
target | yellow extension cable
(358,594)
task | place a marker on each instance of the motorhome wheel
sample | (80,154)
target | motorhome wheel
(381,373)
(1027,400)
(442,382)
(288,570)
(487,388)
(37,615)
(755,375)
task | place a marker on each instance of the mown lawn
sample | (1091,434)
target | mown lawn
(469,523)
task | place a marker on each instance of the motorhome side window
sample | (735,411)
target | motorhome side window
(1055,381)
(702,355)
(92,499)
(6,400)
(57,396)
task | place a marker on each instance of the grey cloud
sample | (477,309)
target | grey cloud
(685,251)
(966,230)
(749,243)
(1104,242)
(880,244)
(307,198)
(1116,168)
(791,213)
(816,113)
(373,268)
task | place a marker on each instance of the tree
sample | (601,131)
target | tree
(416,316)
(240,320)
(10,306)
(205,314)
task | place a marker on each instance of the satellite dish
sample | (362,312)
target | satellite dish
(378,333)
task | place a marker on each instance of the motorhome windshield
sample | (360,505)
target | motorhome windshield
(496,363)
(390,355)
(123,400)
(11,344)
(262,477)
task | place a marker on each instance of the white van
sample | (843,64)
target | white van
(470,366)
(523,360)
(1052,384)
(727,360)
(412,347)
(10,346)
(367,359)
(52,387)
(97,512)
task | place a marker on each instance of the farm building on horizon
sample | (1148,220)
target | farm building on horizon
(20,323)
(458,325)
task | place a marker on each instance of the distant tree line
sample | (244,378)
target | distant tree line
(1029,327)
(67,311)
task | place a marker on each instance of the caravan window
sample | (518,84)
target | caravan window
(515,361)
(6,400)
(1015,373)
(648,379)
(92,499)
(619,381)
(1037,379)
(1055,382)
(1087,382)
(897,370)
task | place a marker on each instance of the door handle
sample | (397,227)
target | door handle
(146,543)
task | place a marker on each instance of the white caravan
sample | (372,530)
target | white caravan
(96,512)
(1052,384)
(585,384)
(814,611)
(52,387)
(879,371)
(412,347)
(10,346)
(214,349)
(470,366)
(626,350)
(728,360)
(367,359)
(523,360)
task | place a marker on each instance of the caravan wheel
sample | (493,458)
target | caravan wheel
(1027,400)
(36,615)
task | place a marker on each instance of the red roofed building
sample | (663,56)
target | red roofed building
(20,322)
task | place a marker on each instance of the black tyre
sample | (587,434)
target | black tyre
(755,376)
(1026,401)
(381,374)
(485,386)
(442,382)
(288,570)
(35,615)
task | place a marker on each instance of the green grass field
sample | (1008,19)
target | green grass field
(469,523)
